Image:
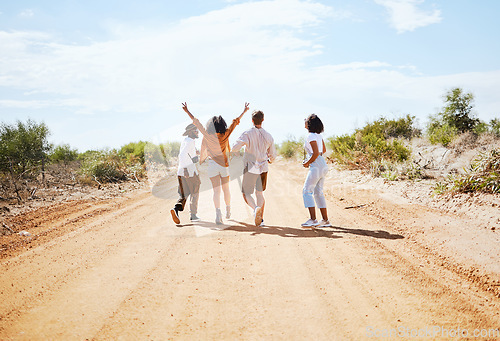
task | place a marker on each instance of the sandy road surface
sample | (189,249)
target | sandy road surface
(131,274)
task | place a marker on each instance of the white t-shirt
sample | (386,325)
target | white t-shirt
(186,152)
(313,137)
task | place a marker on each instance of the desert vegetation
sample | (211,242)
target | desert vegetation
(28,162)
(386,147)
(482,175)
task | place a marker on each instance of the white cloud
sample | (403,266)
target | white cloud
(290,13)
(27,13)
(143,70)
(256,51)
(405,15)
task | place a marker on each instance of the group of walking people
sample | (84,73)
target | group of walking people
(259,152)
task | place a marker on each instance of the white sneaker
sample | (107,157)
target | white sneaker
(310,223)
(325,223)
(258,215)
(218,217)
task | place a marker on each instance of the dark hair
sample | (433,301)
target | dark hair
(257,117)
(314,124)
(216,125)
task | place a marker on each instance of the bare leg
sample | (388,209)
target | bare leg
(225,189)
(217,190)
(312,212)
(324,213)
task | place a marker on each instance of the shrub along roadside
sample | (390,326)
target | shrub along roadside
(102,167)
(292,148)
(378,143)
(457,117)
(482,175)
(127,163)
(23,155)
(63,153)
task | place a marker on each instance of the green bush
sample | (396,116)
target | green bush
(23,152)
(458,110)
(455,118)
(380,149)
(63,153)
(439,132)
(133,152)
(481,128)
(343,149)
(291,148)
(375,143)
(396,128)
(483,175)
(494,126)
(103,166)
(170,149)
(161,153)
(23,147)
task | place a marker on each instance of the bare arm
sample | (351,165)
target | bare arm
(196,122)
(236,121)
(314,146)
(185,108)
(244,110)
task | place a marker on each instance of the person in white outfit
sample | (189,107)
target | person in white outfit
(259,152)
(187,175)
(312,192)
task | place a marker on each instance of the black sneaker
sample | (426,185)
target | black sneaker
(175,215)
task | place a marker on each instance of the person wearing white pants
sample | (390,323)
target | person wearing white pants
(312,193)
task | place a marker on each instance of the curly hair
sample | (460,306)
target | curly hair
(314,124)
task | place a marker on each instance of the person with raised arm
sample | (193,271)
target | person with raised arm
(215,147)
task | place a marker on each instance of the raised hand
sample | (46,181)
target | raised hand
(247,106)
(185,108)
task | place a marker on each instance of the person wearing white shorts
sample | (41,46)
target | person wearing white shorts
(215,148)
(214,169)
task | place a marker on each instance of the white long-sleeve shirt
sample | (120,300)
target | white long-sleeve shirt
(259,148)
(186,152)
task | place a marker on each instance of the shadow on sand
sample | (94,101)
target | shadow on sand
(293,232)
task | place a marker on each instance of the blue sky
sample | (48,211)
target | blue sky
(105,73)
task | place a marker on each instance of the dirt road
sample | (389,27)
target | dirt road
(129,273)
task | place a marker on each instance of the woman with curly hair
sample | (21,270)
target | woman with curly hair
(215,148)
(312,192)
